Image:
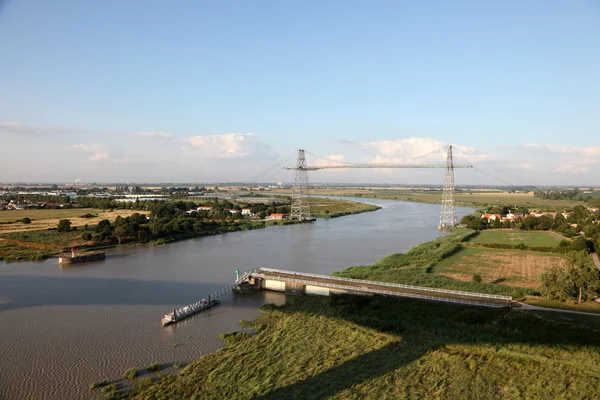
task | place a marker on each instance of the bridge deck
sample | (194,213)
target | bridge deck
(386,288)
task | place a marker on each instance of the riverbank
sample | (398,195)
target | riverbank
(377,348)
(384,348)
(35,245)
(467,199)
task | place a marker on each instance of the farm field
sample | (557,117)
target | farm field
(44,219)
(474,199)
(531,239)
(505,267)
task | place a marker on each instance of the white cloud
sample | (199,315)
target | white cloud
(417,150)
(232,145)
(97,151)
(16,128)
(159,135)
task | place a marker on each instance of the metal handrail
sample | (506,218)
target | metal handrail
(388,284)
(385,292)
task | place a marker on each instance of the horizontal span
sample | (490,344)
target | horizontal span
(382,292)
(359,282)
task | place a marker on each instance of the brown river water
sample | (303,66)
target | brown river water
(63,328)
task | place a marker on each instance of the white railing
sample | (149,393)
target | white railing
(387,284)
(378,291)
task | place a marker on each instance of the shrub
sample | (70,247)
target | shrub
(98,384)
(477,278)
(26,220)
(130,373)
(86,236)
(109,389)
(155,367)
(64,225)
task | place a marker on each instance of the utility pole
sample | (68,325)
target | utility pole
(301,195)
(448,213)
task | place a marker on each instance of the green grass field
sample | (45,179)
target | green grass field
(356,347)
(330,208)
(506,267)
(531,239)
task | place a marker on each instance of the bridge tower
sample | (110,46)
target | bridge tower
(301,195)
(448,212)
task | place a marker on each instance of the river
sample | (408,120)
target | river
(63,328)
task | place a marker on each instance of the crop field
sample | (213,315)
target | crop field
(531,239)
(44,219)
(474,198)
(505,267)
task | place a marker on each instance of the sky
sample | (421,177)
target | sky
(217,91)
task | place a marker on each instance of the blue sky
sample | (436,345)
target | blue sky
(214,91)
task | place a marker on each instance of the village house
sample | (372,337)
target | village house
(232,210)
(204,208)
(492,217)
(275,216)
(514,216)
(247,212)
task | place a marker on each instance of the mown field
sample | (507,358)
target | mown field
(530,239)
(469,199)
(357,347)
(505,267)
(45,219)
(331,208)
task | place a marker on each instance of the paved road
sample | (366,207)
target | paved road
(536,308)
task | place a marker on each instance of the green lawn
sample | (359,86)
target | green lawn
(530,239)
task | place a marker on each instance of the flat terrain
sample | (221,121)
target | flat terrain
(44,219)
(505,267)
(531,239)
(324,208)
(474,198)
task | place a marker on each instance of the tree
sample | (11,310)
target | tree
(555,284)
(64,225)
(466,219)
(584,275)
(122,231)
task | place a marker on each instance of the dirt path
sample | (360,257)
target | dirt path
(557,236)
(596,260)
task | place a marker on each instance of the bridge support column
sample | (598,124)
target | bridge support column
(448,212)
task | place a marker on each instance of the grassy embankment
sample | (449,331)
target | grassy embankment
(332,208)
(467,199)
(354,347)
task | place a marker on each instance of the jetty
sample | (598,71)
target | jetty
(293,282)
(210,301)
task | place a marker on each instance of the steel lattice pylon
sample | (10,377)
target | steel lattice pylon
(301,195)
(448,212)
